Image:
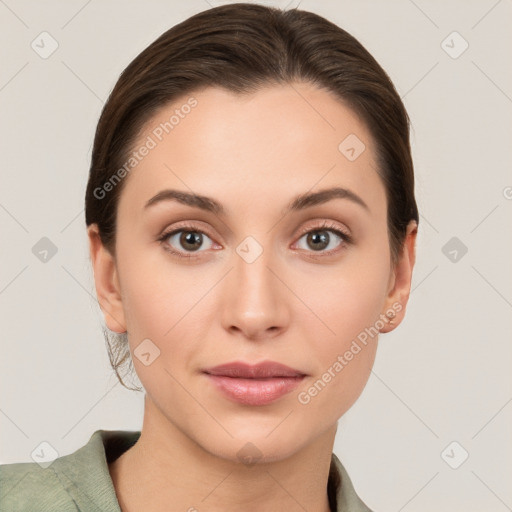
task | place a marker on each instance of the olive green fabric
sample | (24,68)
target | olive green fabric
(81,481)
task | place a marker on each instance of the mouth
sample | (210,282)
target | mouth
(258,384)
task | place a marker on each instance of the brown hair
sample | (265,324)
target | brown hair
(243,47)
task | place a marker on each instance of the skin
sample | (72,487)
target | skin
(294,304)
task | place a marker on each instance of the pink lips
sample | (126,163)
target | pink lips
(258,384)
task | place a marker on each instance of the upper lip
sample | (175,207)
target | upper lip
(261,370)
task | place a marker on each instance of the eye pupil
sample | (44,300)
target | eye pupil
(189,238)
(319,236)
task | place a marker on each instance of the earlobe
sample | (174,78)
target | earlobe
(106,282)
(399,292)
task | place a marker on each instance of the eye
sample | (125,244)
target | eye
(186,239)
(325,239)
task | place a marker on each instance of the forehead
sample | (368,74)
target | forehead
(278,140)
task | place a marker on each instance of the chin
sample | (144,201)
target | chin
(255,443)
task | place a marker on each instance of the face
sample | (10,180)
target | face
(260,277)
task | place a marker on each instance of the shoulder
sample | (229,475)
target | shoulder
(28,487)
(79,481)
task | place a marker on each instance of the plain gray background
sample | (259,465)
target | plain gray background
(443,376)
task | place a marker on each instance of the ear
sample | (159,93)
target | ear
(400,281)
(106,280)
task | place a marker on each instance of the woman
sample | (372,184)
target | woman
(252,227)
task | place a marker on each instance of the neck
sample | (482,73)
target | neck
(165,466)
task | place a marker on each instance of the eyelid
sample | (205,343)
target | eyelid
(184,226)
(327,225)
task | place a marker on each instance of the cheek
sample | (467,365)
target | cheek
(162,310)
(341,382)
(156,292)
(164,303)
(348,303)
(346,352)
(350,298)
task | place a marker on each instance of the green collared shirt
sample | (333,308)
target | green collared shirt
(81,480)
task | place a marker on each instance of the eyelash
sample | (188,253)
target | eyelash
(325,226)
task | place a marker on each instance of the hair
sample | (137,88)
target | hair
(242,48)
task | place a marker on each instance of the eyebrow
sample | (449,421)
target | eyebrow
(300,202)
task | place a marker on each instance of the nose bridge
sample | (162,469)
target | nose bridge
(252,274)
(255,302)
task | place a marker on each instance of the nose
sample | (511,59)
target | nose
(256,305)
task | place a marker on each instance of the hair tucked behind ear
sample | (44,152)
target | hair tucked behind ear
(243,47)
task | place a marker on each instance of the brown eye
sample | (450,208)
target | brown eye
(183,240)
(318,240)
(324,239)
(190,240)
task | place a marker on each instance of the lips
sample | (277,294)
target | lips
(258,384)
(264,370)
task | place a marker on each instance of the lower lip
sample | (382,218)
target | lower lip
(255,391)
